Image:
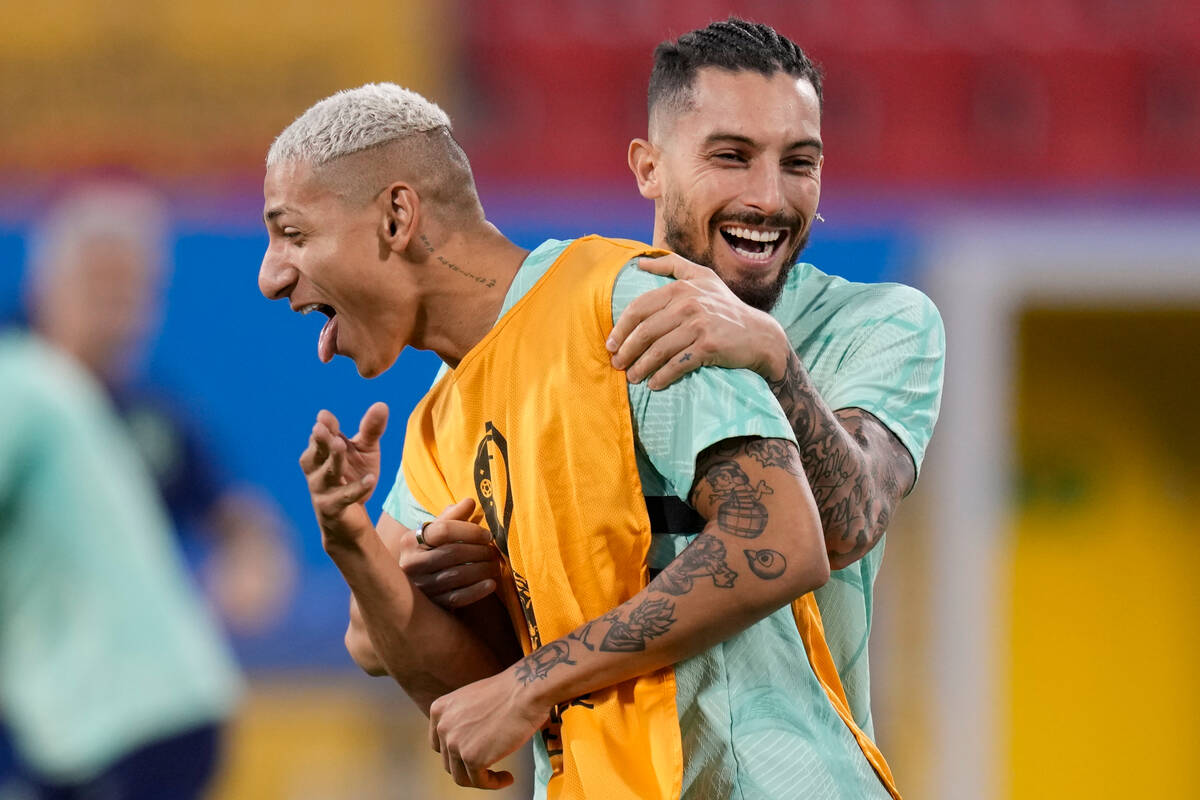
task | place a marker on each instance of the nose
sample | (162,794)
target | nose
(275,278)
(764,190)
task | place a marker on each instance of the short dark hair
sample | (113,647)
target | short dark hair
(733,44)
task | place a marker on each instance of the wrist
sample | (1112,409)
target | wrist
(346,536)
(774,364)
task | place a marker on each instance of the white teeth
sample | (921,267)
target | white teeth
(308,309)
(765,255)
(754,236)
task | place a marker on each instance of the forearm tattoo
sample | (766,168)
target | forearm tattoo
(704,557)
(538,664)
(856,467)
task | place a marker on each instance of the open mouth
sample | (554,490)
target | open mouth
(327,341)
(753,244)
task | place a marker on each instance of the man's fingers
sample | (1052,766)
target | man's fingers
(429,562)
(308,459)
(372,426)
(443,531)
(455,576)
(642,307)
(461,510)
(462,775)
(489,779)
(651,331)
(335,463)
(337,501)
(673,266)
(327,419)
(460,598)
(670,350)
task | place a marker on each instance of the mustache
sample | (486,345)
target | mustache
(780,219)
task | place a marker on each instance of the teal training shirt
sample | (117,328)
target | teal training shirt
(104,647)
(755,722)
(880,347)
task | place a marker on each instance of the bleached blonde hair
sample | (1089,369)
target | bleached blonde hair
(354,120)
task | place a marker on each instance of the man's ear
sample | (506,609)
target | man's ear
(643,160)
(401,214)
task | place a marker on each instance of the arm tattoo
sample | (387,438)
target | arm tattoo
(774,453)
(856,467)
(704,557)
(739,512)
(537,665)
(651,619)
(766,564)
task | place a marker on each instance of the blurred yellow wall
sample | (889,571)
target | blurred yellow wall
(1105,603)
(340,735)
(193,87)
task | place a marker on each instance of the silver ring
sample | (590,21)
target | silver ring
(420,533)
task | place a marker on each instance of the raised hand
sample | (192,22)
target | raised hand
(342,472)
(695,321)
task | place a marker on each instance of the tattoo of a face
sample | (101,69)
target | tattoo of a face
(537,665)
(704,557)
(740,513)
(766,564)
(651,619)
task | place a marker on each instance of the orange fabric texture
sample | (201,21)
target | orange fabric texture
(535,424)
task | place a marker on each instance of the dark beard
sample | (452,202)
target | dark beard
(755,294)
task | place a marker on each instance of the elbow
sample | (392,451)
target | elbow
(841,560)
(359,646)
(812,574)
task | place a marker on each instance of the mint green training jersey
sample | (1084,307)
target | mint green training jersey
(104,645)
(755,723)
(880,347)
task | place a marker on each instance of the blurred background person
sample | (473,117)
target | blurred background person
(114,680)
(94,292)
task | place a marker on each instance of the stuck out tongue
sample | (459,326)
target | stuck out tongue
(327,343)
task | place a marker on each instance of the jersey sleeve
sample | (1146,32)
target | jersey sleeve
(675,424)
(894,367)
(400,504)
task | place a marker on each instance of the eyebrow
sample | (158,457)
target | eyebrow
(715,138)
(278,211)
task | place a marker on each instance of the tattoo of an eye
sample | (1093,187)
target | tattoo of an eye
(651,619)
(766,564)
(704,557)
(537,665)
(740,513)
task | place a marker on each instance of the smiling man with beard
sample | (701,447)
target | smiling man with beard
(733,163)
